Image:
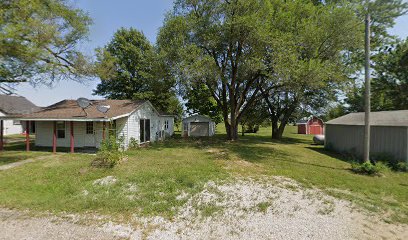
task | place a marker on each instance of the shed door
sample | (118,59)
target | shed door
(199,129)
(315,129)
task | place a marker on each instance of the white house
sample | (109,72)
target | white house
(65,124)
(11,106)
(198,126)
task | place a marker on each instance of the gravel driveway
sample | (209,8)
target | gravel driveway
(276,208)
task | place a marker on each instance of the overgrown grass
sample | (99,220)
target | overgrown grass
(147,184)
(150,181)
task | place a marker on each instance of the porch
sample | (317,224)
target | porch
(65,136)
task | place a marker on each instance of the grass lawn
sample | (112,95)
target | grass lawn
(15,150)
(149,182)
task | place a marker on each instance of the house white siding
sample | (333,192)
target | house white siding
(10,127)
(45,131)
(133,123)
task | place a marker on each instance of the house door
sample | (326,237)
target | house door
(144,130)
(89,134)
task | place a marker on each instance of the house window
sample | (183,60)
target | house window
(16,122)
(166,124)
(60,129)
(89,128)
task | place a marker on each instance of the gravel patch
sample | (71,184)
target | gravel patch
(106,181)
(273,208)
(18,225)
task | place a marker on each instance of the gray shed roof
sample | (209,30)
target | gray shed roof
(15,105)
(385,118)
(199,117)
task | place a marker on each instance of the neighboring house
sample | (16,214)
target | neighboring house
(312,125)
(12,106)
(198,126)
(389,134)
(65,124)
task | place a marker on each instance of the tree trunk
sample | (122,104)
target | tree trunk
(282,128)
(227,128)
(233,130)
(275,129)
(243,129)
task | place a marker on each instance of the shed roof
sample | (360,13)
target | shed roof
(14,105)
(69,110)
(198,116)
(384,118)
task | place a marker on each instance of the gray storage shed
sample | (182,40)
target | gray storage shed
(389,134)
(198,126)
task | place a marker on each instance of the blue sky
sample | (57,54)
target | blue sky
(108,16)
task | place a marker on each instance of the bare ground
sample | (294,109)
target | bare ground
(276,208)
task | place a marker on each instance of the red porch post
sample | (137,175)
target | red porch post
(54,138)
(27,136)
(72,137)
(103,130)
(1,135)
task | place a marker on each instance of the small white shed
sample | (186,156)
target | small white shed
(198,126)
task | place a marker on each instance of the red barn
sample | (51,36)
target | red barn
(313,125)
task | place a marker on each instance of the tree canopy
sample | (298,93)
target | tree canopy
(389,83)
(38,42)
(130,68)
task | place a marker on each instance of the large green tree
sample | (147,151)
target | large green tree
(389,83)
(39,40)
(311,59)
(219,44)
(130,68)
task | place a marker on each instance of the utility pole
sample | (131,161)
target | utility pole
(367,129)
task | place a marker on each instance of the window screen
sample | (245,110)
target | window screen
(60,129)
(89,128)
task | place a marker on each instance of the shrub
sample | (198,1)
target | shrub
(402,166)
(391,162)
(367,168)
(133,143)
(110,153)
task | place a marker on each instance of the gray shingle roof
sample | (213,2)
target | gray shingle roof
(385,118)
(15,105)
